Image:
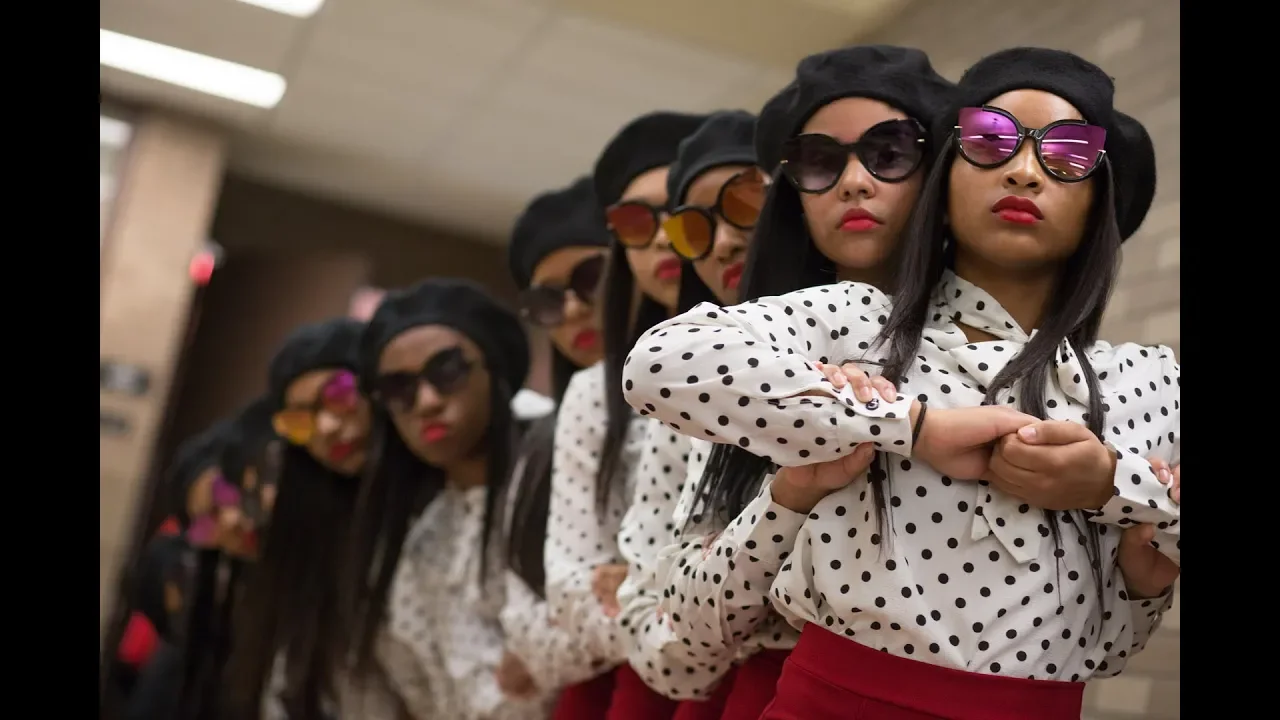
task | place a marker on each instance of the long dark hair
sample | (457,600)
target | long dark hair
(1074,313)
(290,600)
(529,495)
(782,258)
(621,331)
(395,489)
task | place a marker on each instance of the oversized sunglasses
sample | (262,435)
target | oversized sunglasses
(1069,150)
(543,305)
(634,223)
(692,229)
(890,151)
(339,397)
(446,371)
(203,530)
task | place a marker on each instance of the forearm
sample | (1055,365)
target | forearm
(718,585)
(673,666)
(554,656)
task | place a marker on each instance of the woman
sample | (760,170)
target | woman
(557,257)
(279,668)
(205,575)
(441,361)
(218,578)
(597,437)
(874,570)
(250,465)
(847,141)
(716,190)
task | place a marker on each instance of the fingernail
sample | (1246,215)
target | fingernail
(1165,476)
(1028,432)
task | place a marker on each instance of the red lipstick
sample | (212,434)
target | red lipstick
(859,220)
(1017,210)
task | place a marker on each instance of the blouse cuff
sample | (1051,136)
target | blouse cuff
(1138,498)
(890,426)
(1146,615)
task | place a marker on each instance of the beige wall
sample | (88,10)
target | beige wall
(1137,42)
(166,193)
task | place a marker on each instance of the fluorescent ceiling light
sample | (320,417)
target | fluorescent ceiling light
(296,8)
(202,73)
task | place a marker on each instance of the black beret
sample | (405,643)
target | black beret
(1092,92)
(333,343)
(725,138)
(898,76)
(460,304)
(193,457)
(568,217)
(249,433)
(648,142)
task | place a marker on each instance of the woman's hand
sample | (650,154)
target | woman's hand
(513,679)
(1054,465)
(958,442)
(800,488)
(1170,477)
(605,580)
(864,387)
(1147,572)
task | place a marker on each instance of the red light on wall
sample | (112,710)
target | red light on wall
(203,264)
(202,268)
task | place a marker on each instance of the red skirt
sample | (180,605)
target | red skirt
(585,701)
(828,676)
(754,685)
(634,700)
(713,707)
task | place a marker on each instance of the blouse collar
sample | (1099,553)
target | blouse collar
(1005,516)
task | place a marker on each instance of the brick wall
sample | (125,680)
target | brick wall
(1137,42)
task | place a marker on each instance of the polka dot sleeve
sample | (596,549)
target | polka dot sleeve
(1142,392)
(669,663)
(554,657)
(647,528)
(744,375)
(1146,615)
(578,539)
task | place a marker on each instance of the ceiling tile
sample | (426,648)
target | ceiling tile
(423,45)
(339,111)
(615,64)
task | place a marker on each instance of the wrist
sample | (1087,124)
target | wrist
(796,499)
(1136,594)
(917,418)
(1106,481)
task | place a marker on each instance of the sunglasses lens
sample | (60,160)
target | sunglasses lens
(397,390)
(892,150)
(447,370)
(691,233)
(584,281)
(742,199)
(1072,151)
(813,162)
(224,493)
(542,306)
(633,224)
(986,137)
(295,426)
(339,394)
